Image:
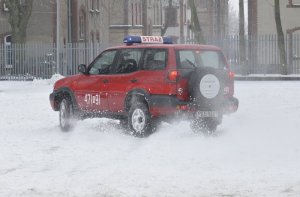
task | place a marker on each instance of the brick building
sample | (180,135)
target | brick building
(261,16)
(108,21)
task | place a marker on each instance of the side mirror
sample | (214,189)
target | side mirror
(82,69)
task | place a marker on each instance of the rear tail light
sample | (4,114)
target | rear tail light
(231,75)
(173,75)
(183,107)
(231,83)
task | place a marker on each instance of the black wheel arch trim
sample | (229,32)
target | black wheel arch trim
(64,90)
(152,100)
(136,92)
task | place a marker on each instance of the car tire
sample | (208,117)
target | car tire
(139,120)
(66,115)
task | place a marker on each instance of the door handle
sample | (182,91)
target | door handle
(104,80)
(133,80)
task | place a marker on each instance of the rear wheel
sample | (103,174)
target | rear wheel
(66,115)
(207,93)
(139,120)
(206,126)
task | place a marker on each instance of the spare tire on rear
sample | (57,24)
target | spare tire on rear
(206,86)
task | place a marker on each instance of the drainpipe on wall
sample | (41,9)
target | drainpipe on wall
(69,22)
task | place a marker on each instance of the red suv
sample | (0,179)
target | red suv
(146,81)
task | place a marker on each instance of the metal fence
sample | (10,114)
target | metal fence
(38,60)
(28,61)
(262,53)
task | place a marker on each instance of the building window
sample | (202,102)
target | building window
(82,26)
(136,17)
(98,6)
(93,4)
(5,9)
(98,36)
(171,17)
(295,4)
(157,14)
(140,13)
(131,14)
(92,37)
(136,13)
(184,14)
(203,4)
(22,2)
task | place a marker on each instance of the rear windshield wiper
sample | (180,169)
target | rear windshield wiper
(190,62)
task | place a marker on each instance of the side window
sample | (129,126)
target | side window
(128,60)
(155,59)
(103,64)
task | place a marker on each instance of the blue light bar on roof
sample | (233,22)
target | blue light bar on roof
(129,40)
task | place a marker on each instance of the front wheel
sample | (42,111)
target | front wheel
(65,115)
(139,120)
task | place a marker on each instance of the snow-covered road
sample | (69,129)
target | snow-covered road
(256,151)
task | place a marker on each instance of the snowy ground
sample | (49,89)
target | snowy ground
(256,151)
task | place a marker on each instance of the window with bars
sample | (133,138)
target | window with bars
(82,25)
(22,2)
(293,4)
(97,6)
(171,19)
(5,9)
(136,13)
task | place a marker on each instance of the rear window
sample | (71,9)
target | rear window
(200,58)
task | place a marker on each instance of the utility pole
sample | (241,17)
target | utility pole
(57,34)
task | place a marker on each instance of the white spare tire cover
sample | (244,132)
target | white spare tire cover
(209,86)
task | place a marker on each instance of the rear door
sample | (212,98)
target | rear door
(156,63)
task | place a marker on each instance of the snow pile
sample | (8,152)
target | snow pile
(50,81)
(55,78)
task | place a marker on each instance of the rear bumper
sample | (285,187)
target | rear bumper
(231,105)
(168,105)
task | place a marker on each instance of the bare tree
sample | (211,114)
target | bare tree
(242,44)
(19,14)
(280,39)
(195,24)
